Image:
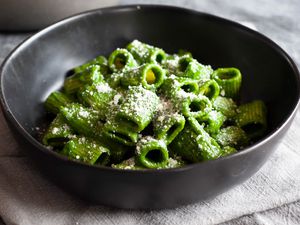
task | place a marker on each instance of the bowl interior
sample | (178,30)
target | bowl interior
(39,66)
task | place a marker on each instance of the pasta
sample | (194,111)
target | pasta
(145,109)
(229,80)
(86,150)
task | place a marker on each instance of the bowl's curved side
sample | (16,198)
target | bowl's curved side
(266,70)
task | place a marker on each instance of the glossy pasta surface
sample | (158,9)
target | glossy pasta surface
(142,108)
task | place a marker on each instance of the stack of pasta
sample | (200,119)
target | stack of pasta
(145,109)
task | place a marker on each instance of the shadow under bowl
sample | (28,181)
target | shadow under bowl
(38,66)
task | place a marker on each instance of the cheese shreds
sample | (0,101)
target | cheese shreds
(103,88)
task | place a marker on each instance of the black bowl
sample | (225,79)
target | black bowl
(38,66)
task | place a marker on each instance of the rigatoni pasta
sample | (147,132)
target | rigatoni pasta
(145,109)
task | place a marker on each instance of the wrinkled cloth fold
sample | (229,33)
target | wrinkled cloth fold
(271,196)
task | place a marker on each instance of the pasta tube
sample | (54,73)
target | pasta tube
(56,100)
(83,120)
(119,133)
(210,89)
(58,133)
(226,106)
(252,119)
(196,106)
(213,121)
(228,150)
(152,153)
(86,150)
(191,68)
(168,126)
(194,143)
(98,96)
(137,109)
(89,76)
(144,53)
(120,60)
(150,76)
(99,60)
(173,86)
(232,136)
(230,80)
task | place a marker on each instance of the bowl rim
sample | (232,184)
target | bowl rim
(136,7)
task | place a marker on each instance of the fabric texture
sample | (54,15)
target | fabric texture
(271,196)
